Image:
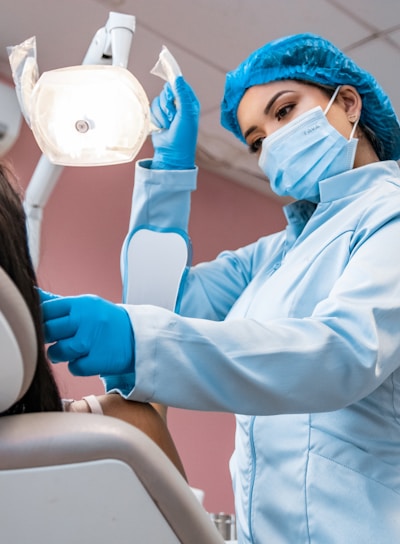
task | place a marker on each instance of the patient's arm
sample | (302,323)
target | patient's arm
(161,409)
(143,416)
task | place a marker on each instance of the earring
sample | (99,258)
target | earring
(353,117)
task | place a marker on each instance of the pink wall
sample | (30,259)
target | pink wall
(84,224)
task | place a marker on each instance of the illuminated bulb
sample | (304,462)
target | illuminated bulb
(89,115)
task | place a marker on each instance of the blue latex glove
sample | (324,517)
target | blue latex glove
(177,111)
(94,335)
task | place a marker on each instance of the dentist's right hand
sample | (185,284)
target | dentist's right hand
(176,112)
(93,334)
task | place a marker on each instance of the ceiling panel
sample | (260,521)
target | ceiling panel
(382,60)
(222,32)
(395,38)
(378,14)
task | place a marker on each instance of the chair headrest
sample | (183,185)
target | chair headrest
(18,344)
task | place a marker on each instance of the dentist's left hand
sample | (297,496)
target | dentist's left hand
(94,335)
(177,111)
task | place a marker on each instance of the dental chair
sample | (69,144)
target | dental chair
(70,478)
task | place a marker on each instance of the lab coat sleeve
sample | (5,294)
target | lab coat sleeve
(156,253)
(334,357)
(162,197)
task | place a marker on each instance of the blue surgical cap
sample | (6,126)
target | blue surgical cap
(308,57)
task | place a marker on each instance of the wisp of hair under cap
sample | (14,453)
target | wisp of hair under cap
(309,57)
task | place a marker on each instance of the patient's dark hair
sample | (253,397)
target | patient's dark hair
(42,395)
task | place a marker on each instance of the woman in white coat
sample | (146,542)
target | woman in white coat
(298,333)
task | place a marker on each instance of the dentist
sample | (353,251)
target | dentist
(298,333)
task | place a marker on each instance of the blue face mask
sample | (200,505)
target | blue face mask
(307,150)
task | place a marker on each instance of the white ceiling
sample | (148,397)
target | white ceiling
(208,38)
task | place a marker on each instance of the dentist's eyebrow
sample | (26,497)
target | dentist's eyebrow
(267,109)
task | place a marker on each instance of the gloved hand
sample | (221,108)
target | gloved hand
(176,110)
(94,335)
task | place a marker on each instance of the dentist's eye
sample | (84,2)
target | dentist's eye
(282,112)
(255,146)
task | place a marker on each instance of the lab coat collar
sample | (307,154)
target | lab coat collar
(341,186)
(357,180)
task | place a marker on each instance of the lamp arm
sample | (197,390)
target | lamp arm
(42,182)
(110,45)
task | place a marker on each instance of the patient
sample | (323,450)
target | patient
(43,394)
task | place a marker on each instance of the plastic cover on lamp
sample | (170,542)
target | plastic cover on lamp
(89,115)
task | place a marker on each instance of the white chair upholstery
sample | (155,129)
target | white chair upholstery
(71,478)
